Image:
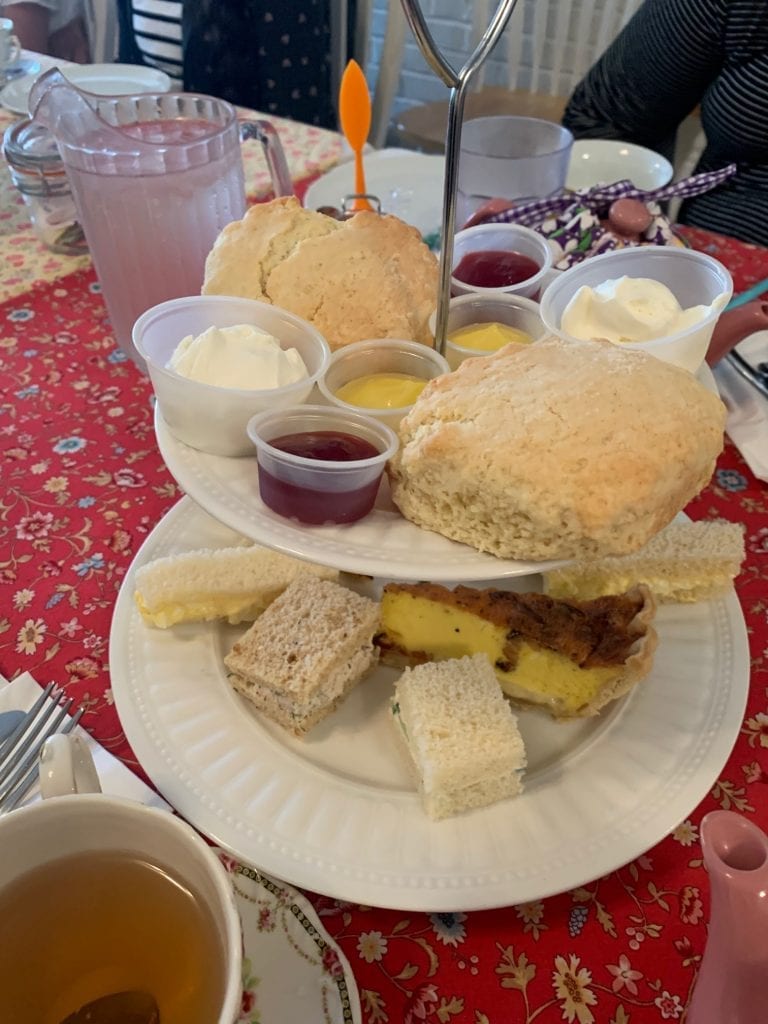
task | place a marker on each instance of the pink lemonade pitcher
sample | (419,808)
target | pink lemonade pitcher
(155,177)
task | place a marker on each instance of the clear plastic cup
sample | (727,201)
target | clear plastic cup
(502,238)
(465,310)
(379,356)
(693,278)
(318,490)
(207,417)
(510,157)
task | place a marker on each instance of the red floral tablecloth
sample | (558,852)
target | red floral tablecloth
(83,484)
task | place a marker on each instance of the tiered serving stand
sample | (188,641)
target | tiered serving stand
(338,813)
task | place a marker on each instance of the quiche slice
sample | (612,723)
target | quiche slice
(570,658)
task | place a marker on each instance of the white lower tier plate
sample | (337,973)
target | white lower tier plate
(337,813)
(381,544)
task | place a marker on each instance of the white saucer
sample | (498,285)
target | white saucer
(409,185)
(103,79)
(292,968)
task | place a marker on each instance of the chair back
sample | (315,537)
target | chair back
(550,44)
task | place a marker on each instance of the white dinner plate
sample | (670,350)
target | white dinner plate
(409,185)
(604,161)
(337,812)
(104,79)
(382,544)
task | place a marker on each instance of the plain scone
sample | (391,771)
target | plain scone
(371,276)
(559,449)
(304,654)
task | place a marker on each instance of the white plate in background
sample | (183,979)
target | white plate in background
(595,161)
(408,184)
(337,812)
(103,79)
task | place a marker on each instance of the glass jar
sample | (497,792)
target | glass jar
(38,173)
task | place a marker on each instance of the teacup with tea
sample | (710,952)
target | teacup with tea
(106,902)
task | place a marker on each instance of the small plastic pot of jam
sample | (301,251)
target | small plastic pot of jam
(382,377)
(320,464)
(494,258)
(479,325)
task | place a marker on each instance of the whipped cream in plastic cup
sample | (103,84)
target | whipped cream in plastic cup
(628,309)
(241,357)
(207,417)
(693,278)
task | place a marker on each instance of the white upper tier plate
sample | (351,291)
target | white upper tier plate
(381,544)
(337,812)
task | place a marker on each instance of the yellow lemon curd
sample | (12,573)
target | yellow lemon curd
(488,337)
(382,390)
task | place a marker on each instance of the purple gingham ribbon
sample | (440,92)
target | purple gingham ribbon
(598,196)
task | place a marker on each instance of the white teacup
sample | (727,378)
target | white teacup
(87,823)
(10,49)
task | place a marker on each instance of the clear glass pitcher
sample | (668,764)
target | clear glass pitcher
(155,178)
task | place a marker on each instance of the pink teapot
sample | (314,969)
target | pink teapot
(734,325)
(732,985)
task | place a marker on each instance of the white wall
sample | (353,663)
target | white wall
(450,22)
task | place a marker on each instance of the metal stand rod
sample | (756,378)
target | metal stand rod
(458,83)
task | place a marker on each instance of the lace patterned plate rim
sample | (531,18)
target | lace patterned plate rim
(292,968)
(381,544)
(337,812)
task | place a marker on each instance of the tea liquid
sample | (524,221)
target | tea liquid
(94,924)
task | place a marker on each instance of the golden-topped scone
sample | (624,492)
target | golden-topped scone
(370,276)
(560,449)
(569,657)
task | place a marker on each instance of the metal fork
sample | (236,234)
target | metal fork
(19,752)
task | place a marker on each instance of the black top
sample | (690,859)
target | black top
(269,55)
(673,55)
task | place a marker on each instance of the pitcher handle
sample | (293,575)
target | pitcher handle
(14,51)
(266,134)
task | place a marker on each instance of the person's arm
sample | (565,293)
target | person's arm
(652,76)
(30,24)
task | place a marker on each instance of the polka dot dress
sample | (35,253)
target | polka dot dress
(272,56)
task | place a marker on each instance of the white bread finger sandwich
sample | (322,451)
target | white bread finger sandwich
(684,563)
(235,584)
(462,740)
(301,658)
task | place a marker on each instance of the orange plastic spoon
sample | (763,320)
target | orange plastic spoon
(355,116)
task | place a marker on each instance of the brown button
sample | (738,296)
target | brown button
(629,217)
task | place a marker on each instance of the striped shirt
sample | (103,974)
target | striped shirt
(673,55)
(157,34)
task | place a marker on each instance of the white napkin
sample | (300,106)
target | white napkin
(115,778)
(747,424)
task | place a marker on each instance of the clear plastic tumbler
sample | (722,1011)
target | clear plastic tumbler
(510,157)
